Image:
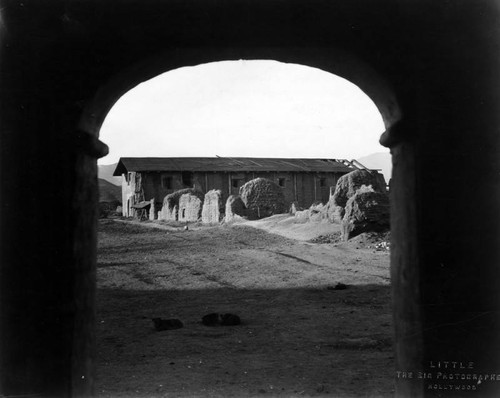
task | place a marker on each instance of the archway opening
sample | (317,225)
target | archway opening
(291,288)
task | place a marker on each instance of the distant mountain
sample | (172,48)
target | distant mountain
(109,192)
(379,160)
(106,173)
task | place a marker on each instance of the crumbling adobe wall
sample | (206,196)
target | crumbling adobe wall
(152,209)
(335,214)
(316,213)
(366,211)
(262,198)
(169,210)
(347,186)
(190,205)
(234,208)
(212,204)
(360,203)
(168,214)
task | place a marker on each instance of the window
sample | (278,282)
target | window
(322,182)
(187,178)
(235,182)
(166,182)
(281,182)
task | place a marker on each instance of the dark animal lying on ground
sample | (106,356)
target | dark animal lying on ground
(210,319)
(338,286)
(215,319)
(230,320)
(167,324)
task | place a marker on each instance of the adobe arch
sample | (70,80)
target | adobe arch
(329,59)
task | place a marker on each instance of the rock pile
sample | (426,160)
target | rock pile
(382,246)
(334,237)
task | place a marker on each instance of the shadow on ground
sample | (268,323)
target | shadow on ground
(292,342)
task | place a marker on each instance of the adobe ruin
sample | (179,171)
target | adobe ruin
(212,205)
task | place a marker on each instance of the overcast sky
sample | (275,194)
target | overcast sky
(243,108)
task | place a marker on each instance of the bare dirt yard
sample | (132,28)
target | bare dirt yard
(299,337)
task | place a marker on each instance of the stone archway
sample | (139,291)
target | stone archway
(328,59)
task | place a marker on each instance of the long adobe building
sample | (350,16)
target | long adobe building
(304,181)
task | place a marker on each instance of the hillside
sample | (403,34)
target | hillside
(109,192)
(379,160)
(106,173)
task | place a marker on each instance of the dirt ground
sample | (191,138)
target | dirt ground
(299,336)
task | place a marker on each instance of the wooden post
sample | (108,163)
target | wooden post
(314,181)
(295,187)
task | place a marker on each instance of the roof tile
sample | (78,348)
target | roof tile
(226,164)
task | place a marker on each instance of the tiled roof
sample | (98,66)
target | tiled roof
(229,164)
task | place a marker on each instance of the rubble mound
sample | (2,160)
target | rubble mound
(366,211)
(235,208)
(317,212)
(262,198)
(334,237)
(211,212)
(348,184)
(377,241)
(301,216)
